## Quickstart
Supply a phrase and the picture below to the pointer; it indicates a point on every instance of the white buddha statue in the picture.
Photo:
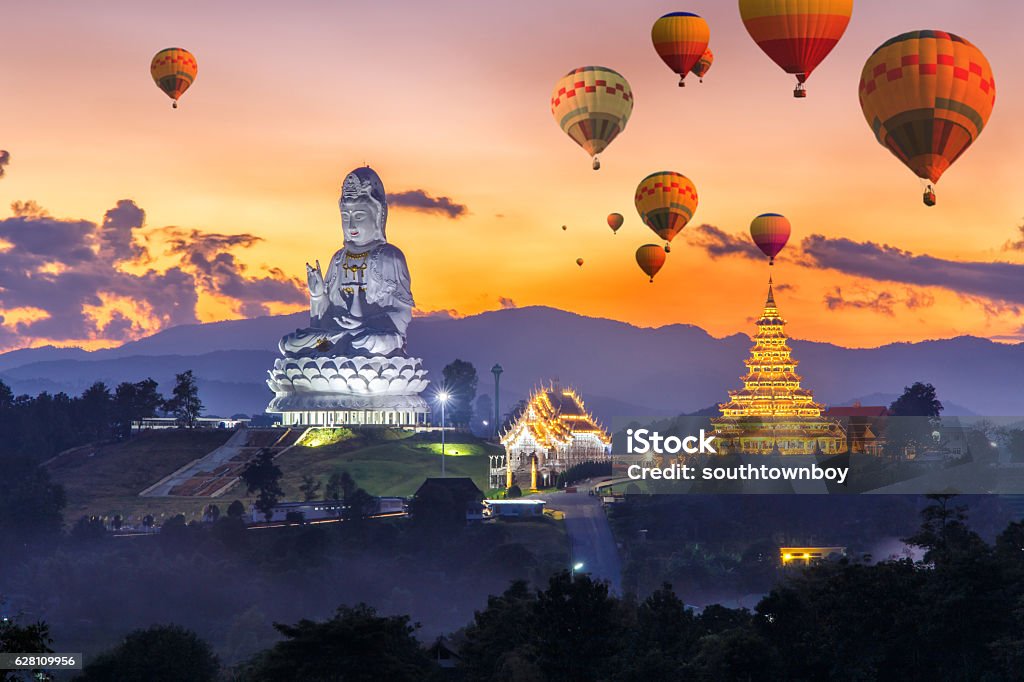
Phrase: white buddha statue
(363, 305)
(350, 365)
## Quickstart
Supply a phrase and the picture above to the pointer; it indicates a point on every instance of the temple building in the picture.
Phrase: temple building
(553, 433)
(772, 414)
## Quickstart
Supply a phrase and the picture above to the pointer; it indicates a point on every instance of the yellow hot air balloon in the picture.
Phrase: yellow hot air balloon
(650, 258)
(592, 105)
(666, 201)
(927, 96)
(680, 39)
(796, 34)
(173, 71)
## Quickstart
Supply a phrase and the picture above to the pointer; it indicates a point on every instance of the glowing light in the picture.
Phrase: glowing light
(443, 396)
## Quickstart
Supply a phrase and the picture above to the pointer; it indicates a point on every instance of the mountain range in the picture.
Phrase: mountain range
(620, 369)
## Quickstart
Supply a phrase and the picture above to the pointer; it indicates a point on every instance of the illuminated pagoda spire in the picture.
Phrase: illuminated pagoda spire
(773, 412)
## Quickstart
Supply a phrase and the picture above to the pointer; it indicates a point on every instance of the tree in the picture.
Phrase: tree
(355, 644)
(34, 638)
(236, 509)
(133, 403)
(944, 532)
(483, 411)
(579, 628)
(435, 508)
(185, 403)
(262, 476)
(95, 410)
(460, 382)
(918, 400)
(513, 492)
(512, 415)
(1015, 445)
(499, 633)
(309, 488)
(31, 504)
(161, 653)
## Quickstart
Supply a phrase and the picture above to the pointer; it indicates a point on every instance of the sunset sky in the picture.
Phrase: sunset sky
(239, 186)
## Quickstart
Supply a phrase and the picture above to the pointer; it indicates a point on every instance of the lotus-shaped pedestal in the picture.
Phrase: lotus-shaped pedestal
(342, 383)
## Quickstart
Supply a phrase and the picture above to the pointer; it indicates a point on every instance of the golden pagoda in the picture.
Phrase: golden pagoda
(553, 433)
(772, 414)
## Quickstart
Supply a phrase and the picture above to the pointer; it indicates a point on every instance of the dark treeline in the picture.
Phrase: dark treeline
(953, 616)
(39, 427)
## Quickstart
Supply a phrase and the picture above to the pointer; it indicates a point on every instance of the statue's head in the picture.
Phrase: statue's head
(364, 207)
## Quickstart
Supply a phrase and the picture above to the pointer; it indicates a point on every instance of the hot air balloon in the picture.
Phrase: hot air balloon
(796, 34)
(666, 201)
(680, 39)
(770, 232)
(173, 71)
(592, 105)
(579, 262)
(927, 95)
(564, 228)
(703, 64)
(615, 221)
(650, 258)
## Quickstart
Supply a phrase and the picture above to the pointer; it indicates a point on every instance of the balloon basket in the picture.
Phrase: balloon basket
(800, 92)
(174, 104)
(597, 164)
(929, 197)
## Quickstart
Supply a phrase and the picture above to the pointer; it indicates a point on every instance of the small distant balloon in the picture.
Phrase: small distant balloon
(592, 105)
(579, 262)
(680, 39)
(703, 64)
(650, 258)
(615, 221)
(770, 231)
(564, 228)
(174, 70)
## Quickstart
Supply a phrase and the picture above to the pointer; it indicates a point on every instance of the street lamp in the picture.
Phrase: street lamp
(442, 396)
(578, 566)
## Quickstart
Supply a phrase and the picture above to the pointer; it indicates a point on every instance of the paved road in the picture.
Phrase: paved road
(590, 536)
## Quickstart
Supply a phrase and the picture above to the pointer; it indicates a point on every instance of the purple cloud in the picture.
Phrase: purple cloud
(718, 243)
(66, 270)
(994, 281)
(419, 200)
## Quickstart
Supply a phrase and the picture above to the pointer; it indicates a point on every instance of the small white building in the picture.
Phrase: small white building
(513, 508)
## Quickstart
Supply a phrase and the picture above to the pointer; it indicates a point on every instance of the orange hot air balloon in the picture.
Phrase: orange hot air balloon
(579, 262)
(650, 258)
(680, 39)
(592, 105)
(770, 231)
(615, 221)
(796, 34)
(927, 96)
(666, 201)
(174, 70)
(703, 64)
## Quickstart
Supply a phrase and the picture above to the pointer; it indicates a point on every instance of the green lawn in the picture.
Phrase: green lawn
(397, 467)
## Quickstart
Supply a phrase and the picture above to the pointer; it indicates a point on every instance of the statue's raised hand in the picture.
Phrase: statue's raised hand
(315, 279)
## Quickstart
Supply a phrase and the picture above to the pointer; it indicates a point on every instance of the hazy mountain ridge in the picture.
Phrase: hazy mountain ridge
(620, 369)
